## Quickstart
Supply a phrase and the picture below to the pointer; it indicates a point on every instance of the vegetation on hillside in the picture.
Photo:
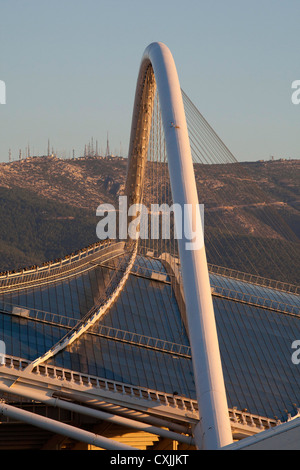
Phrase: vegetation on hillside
(35, 229)
(48, 210)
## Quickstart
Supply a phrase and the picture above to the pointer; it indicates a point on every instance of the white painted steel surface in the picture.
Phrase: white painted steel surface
(215, 430)
(286, 436)
(50, 381)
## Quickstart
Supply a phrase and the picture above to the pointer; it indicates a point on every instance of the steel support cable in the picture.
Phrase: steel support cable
(65, 275)
(296, 334)
(221, 245)
(158, 157)
(213, 151)
(208, 144)
(219, 242)
(229, 347)
(207, 126)
(134, 300)
(206, 148)
(158, 166)
(90, 319)
(258, 246)
(154, 169)
(218, 140)
(159, 299)
(259, 195)
(278, 363)
(255, 362)
(260, 354)
(239, 352)
(270, 358)
(51, 269)
(178, 146)
(199, 139)
(195, 110)
(180, 185)
(283, 230)
(195, 147)
(251, 364)
(144, 244)
(123, 262)
(153, 173)
(175, 247)
(283, 287)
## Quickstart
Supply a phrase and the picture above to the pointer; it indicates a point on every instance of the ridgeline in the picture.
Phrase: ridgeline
(48, 210)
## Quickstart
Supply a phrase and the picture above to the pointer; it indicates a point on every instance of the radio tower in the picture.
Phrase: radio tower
(107, 147)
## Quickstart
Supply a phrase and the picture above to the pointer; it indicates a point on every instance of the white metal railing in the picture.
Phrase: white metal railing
(99, 329)
(176, 402)
(253, 279)
(58, 263)
(229, 293)
(242, 276)
(91, 381)
(249, 419)
(143, 341)
(53, 269)
(37, 315)
(91, 317)
(99, 309)
(253, 299)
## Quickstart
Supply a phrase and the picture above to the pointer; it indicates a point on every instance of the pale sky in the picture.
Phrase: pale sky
(70, 68)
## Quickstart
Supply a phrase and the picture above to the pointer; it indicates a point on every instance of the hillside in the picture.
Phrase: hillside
(48, 208)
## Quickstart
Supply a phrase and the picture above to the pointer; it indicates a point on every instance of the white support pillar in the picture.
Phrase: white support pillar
(215, 429)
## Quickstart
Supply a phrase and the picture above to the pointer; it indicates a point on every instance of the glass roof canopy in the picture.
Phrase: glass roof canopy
(255, 341)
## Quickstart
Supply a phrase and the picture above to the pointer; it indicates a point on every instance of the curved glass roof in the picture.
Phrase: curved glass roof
(142, 339)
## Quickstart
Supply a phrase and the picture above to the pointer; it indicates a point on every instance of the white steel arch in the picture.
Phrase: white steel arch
(158, 69)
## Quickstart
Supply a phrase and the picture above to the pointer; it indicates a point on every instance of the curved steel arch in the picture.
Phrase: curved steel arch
(158, 69)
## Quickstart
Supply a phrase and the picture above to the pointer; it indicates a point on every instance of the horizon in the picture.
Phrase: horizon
(112, 157)
(70, 72)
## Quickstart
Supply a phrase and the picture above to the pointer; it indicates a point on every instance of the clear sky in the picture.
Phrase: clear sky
(70, 68)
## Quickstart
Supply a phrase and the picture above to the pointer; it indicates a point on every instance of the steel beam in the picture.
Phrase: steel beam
(214, 430)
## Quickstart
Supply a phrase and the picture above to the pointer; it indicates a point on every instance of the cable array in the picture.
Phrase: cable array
(242, 226)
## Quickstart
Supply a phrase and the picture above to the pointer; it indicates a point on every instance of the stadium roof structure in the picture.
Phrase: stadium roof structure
(127, 345)
(136, 361)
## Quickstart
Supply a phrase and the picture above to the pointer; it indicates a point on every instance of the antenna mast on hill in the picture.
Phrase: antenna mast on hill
(107, 147)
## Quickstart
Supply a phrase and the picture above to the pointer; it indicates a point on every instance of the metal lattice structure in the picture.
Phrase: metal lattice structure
(127, 336)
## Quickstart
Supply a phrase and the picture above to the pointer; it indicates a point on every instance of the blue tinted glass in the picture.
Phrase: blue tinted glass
(255, 342)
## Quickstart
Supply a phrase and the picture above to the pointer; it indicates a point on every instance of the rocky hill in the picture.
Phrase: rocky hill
(48, 209)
